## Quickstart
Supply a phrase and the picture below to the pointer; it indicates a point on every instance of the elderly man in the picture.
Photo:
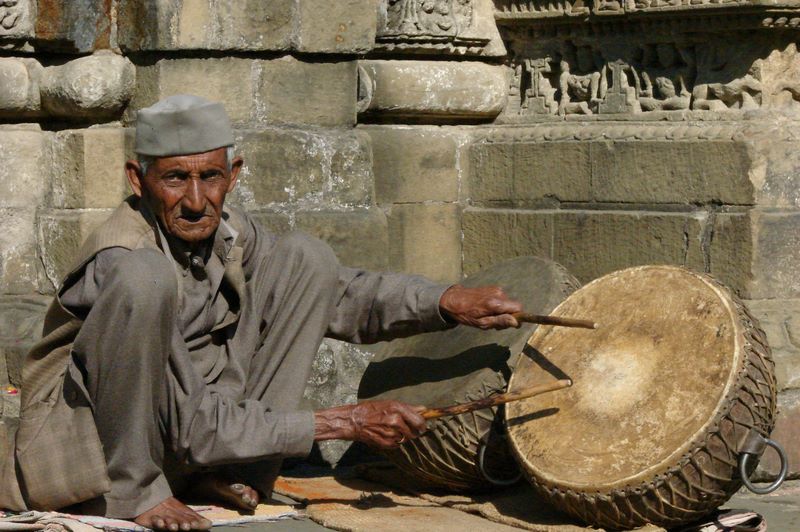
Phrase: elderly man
(195, 329)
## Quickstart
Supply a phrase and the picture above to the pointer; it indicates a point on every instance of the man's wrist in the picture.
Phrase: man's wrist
(334, 424)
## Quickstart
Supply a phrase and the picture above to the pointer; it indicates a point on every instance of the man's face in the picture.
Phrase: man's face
(186, 192)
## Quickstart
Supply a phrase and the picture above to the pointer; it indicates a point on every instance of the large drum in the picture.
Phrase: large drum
(667, 392)
(469, 451)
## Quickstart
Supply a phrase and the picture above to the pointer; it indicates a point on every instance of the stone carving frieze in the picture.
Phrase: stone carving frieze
(545, 9)
(438, 26)
(658, 67)
(16, 19)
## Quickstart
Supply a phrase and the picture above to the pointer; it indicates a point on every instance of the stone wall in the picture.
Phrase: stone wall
(426, 136)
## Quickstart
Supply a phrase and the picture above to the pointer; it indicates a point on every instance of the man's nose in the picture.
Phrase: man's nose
(195, 199)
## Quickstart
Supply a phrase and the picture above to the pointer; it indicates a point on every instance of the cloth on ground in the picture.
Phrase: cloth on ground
(58, 522)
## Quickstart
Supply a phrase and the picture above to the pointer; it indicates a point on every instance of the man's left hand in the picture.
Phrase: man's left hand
(484, 307)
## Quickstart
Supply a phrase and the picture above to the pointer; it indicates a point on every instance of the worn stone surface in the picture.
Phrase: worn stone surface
(61, 233)
(493, 235)
(228, 80)
(780, 319)
(19, 86)
(97, 86)
(77, 26)
(437, 91)
(776, 254)
(23, 170)
(344, 26)
(292, 91)
(275, 222)
(671, 172)
(88, 167)
(727, 248)
(359, 238)
(529, 173)
(304, 168)
(582, 241)
(335, 376)
(206, 24)
(425, 239)
(308, 26)
(787, 433)
(19, 262)
(21, 321)
(415, 164)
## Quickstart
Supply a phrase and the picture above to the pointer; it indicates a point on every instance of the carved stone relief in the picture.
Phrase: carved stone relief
(438, 26)
(16, 19)
(640, 69)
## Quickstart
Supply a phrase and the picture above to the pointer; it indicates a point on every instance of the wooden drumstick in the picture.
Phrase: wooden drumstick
(494, 400)
(554, 320)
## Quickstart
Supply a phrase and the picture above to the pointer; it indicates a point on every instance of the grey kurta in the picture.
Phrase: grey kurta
(169, 362)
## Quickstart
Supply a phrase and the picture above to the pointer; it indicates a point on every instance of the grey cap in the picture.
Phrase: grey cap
(181, 125)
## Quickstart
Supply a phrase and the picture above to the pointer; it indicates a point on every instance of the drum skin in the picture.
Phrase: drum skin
(665, 392)
(460, 365)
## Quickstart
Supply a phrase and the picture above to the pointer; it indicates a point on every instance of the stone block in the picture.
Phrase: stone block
(359, 238)
(415, 164)
(19, 87)
(19, 261)
(780, 320)
(728, 250)
(787, 433)
(95, 86)
(344, 26)
(21, 321)
(672, 172)
(593, 243)
(291, 91)
(434, 91)
(228, 80)
(522, 174)
(89, 167)
(206, 25)
(491, 179)
(17, 20)
(73, 27)
(494, 235)
(23, 167)
(776, 255)
(304, 168)
(275, 222)
(425, 239)
(61, 233)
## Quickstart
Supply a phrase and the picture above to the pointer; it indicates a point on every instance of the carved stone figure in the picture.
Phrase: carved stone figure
(427, 17)
(539, 97)
(579, 93)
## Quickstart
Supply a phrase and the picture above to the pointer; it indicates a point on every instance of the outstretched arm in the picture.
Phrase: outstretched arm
(381, 424)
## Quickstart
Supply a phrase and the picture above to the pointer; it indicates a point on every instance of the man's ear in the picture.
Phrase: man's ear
(236, 166)
(133, 171)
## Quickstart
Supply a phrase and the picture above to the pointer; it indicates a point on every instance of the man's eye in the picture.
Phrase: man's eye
(215, 174)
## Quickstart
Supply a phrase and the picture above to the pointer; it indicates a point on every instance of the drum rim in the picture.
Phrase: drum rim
(677, 457)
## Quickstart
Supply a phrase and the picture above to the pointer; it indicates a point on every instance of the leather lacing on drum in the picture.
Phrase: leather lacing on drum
(704, 478)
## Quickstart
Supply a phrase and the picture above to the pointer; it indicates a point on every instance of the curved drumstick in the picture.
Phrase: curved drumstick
(494, 400)
(554, 320)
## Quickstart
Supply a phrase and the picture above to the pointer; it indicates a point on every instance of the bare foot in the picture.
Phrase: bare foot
(219, 488)
(172, 515)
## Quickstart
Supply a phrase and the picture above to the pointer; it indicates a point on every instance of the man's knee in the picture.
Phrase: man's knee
(309, 256)
(143, 276)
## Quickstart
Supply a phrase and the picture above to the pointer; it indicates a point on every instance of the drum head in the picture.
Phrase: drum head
(646, 383)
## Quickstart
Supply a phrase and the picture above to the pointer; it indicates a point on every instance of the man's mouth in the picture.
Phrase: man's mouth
(192, 218)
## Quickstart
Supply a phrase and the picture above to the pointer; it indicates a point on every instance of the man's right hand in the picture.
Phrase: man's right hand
(381, 424)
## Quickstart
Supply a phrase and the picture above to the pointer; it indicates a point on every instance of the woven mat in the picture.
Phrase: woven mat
(357, 505)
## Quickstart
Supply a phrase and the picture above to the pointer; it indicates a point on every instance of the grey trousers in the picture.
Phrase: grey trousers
(151, 407)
